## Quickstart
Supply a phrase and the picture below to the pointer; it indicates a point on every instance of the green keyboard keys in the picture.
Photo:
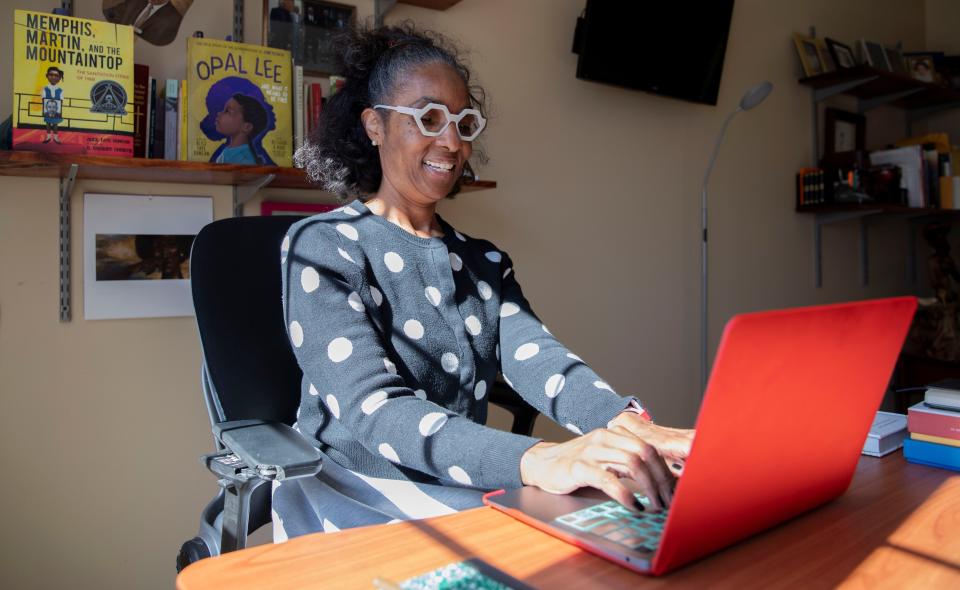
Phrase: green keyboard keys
(612, 521)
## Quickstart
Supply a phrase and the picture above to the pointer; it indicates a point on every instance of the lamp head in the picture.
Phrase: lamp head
(755, 95)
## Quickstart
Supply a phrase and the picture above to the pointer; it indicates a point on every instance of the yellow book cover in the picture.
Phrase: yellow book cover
(72, 85)
(940, 440)
(239, 105)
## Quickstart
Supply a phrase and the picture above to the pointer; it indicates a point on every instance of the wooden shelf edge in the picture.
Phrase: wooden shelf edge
(47, 165)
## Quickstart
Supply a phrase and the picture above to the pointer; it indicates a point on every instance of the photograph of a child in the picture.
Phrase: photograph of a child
(53, 103)
(238, 113)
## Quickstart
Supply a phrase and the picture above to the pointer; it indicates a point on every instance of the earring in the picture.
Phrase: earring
(373, 142)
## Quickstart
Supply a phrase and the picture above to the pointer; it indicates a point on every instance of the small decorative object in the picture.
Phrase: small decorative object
(156, 23)
(809, 54)
(874, 55)
(921, 67)
(307, 28)
(843, 132)
(842, 54)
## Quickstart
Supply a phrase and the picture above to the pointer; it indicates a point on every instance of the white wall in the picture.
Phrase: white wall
(101, 423)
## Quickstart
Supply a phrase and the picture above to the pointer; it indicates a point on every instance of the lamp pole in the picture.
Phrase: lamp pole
(750, 99)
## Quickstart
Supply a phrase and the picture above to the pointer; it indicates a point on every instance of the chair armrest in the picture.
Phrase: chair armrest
(273, 449)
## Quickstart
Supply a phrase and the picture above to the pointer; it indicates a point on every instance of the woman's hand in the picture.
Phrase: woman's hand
(599, 459)
(672, 444)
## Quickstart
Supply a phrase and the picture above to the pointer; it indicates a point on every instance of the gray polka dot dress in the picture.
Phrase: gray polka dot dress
(400, 338)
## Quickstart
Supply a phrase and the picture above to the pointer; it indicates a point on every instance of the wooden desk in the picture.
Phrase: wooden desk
(898, 526)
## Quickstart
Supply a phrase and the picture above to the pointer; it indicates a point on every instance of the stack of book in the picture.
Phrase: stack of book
(934, 426)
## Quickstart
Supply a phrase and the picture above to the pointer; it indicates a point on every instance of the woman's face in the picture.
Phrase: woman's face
(230, 120)
(422, 169)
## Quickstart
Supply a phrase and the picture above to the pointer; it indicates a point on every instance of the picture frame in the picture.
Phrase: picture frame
(844, 132)
(268, 208)
(307, 28)
(920, 67)
(842, 54)
(826, 58)
(896, 61)
(874, 55)
(809, 53)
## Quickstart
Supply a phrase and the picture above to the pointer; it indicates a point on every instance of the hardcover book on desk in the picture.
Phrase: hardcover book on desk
(922, 419)
(944, 395)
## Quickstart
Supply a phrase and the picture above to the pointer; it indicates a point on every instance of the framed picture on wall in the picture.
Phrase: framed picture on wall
(844, 132)
(842, 54)
(307, 29)
(809, 54)
(874, 55)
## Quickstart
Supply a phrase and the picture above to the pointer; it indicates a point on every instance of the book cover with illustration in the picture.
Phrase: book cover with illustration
(72, 85)
(239, 103)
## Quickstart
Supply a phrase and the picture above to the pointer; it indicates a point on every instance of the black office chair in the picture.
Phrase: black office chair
(251, 380)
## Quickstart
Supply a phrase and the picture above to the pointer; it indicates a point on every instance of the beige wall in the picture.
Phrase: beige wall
(101, 422)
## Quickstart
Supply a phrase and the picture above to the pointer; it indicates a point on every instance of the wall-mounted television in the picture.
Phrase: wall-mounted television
(669, 47)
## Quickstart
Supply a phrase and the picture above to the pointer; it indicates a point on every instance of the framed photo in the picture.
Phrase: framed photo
(307, 28)
(136, 254)
(825, 58)
(305, 209)
(895, 59)
(809, 54)
(843, 132)
(921, 68)
(874, 55)
(842, 54)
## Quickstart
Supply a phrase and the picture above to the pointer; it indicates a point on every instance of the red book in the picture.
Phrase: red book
(922, 419)
(315, 110)
(141, 103)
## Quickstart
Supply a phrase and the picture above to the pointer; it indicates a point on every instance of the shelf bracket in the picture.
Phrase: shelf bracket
(66, 190)
(823, 219)
(242, 193)
(872, 103)
(238, 21)
(380, 10)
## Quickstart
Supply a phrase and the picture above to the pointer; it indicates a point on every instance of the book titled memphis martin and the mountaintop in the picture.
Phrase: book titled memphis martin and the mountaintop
(72, 85)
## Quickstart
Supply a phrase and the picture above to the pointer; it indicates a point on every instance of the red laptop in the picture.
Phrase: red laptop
(790, 401)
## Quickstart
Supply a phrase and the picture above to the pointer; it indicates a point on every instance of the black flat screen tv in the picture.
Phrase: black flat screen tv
(669, 47)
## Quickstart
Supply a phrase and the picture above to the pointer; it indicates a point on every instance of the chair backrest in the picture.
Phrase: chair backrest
(251, 372)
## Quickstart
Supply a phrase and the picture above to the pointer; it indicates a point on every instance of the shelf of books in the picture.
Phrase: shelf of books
(41, 164)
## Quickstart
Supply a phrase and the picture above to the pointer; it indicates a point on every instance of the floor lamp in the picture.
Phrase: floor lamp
(751, 98)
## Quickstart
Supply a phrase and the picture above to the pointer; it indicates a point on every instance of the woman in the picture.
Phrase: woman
(401, 323)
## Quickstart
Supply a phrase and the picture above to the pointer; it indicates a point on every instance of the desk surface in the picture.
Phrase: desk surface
(897, 526)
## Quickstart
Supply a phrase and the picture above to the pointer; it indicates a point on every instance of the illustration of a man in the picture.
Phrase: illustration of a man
(155, 21)
(53, 103)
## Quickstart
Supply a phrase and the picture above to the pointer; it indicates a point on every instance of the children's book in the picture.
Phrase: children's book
(239, 103)
(72, 85)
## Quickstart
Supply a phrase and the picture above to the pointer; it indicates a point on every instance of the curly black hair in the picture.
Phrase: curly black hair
(338, 154)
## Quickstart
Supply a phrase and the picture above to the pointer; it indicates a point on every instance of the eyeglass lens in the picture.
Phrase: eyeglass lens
(435, 120)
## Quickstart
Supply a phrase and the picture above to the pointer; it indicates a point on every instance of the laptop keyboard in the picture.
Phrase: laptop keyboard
(615, 523)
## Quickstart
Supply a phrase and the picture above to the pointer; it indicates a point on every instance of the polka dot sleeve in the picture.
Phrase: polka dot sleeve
(335, 321)
(544, 372)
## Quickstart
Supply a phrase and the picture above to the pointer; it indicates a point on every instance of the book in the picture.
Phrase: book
(171, 100)
(886, 434)
(72, 85)
(931, 454)
(157, 135)
(944, 395)
(922, 419)
(239, 103)
(182, 122)
(940, 440)
(297, 107)
(141, 108)
(151, 117)
(316, 105)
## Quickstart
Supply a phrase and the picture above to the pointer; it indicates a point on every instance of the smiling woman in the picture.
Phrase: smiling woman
(398, 321)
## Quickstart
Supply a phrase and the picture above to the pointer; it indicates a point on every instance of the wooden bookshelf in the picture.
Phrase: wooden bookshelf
(46, 165)
(875, 87)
